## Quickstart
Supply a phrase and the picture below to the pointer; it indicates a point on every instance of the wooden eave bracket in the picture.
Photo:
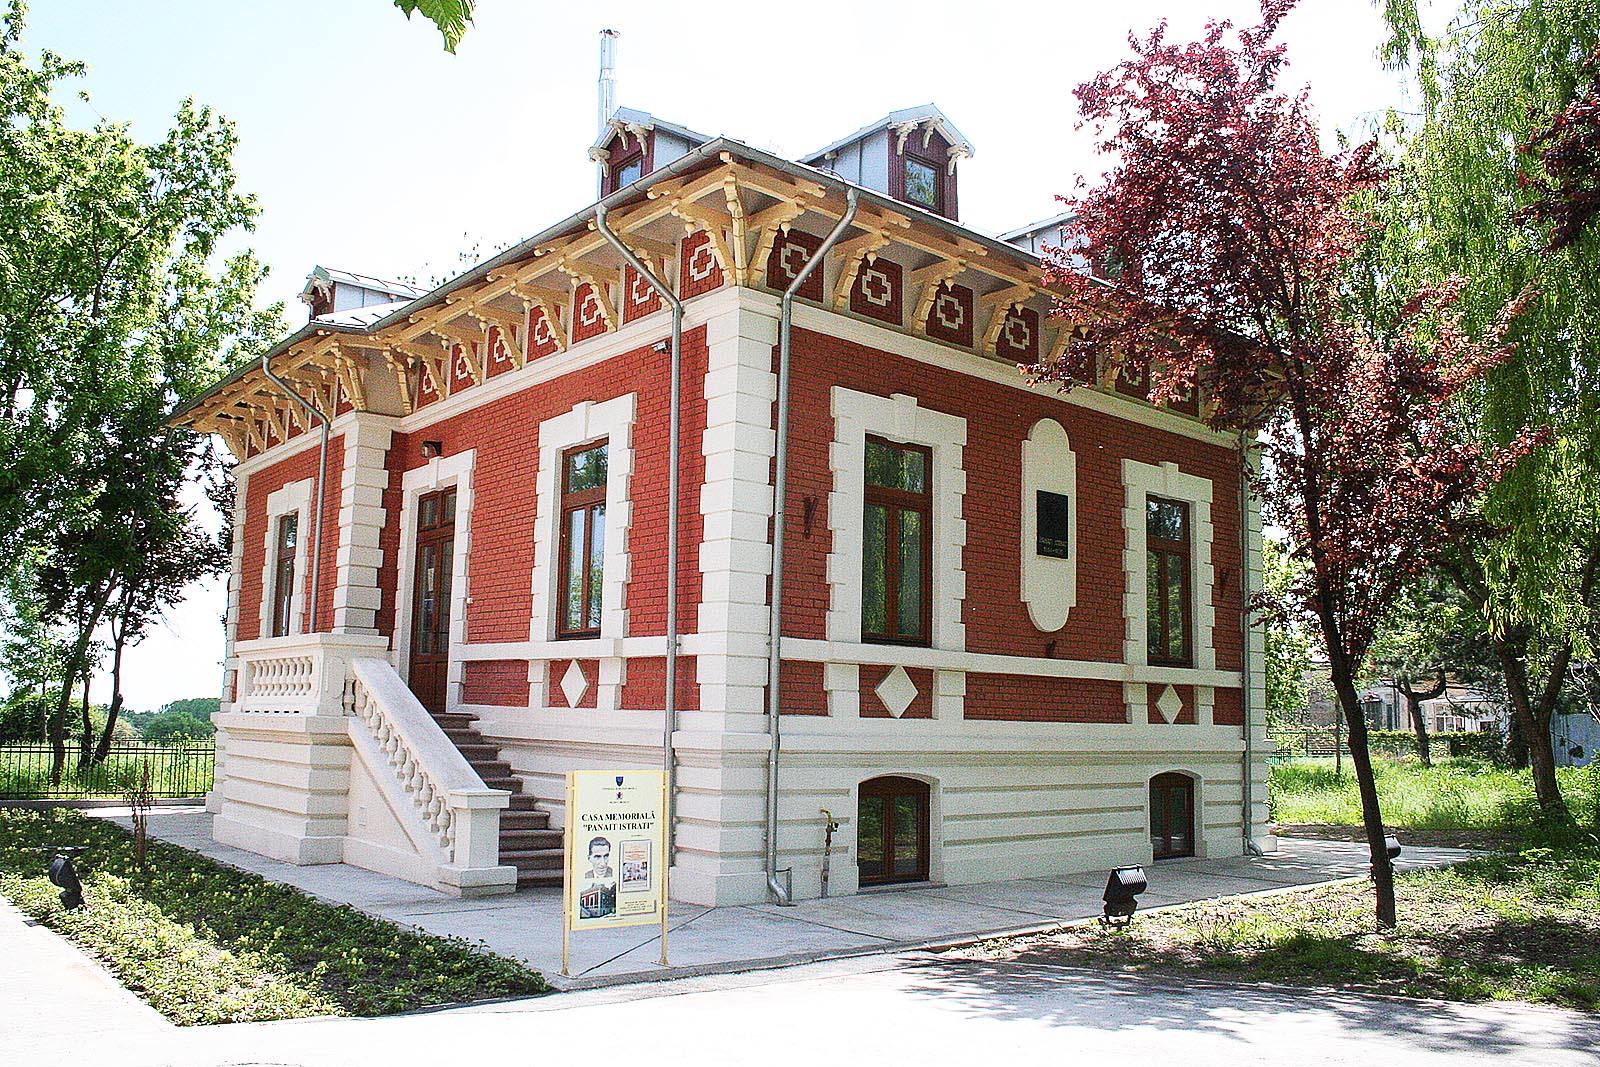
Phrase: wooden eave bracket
(768, 223)
(602, 296)
(695, 217)
(931, 278)
(851, 254)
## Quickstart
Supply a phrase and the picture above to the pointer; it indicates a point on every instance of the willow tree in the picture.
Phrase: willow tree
(1472, 170)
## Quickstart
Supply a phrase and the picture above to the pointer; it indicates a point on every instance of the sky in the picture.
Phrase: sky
(372, 149)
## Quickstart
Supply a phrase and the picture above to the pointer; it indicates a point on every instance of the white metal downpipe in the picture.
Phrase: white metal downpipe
(781, 472)
(1250, 846)
(668, 763)
(322, 481)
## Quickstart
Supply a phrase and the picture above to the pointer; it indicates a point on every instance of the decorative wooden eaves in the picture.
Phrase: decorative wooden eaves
(581, 275)
(927, 281)
(851, 253)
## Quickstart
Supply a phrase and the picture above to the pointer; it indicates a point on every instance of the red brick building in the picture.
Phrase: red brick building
(1012, 637)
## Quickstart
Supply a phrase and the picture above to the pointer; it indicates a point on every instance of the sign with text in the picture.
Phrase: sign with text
(616, 841)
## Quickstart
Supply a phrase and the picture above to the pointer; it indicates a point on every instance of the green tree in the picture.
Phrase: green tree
(110, 309)
(173, 725)
(451, 16)
(1465, 186)
(1288, 649)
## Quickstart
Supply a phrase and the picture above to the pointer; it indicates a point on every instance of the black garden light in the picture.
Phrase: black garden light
(1391, 844)
(65, 878)
(1122, 890)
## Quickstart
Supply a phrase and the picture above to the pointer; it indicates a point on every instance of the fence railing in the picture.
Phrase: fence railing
(177, 769)
(1393, 744)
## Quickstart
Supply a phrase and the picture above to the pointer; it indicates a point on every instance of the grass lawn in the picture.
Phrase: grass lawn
(1521, 924)
(1455, 794)
(1512, 927)
(206, 943)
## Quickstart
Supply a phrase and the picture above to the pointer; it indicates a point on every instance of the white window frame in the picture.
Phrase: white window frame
(293, 498)
(587, 423)
(440, 472)
(1140, 482)
(898, 418)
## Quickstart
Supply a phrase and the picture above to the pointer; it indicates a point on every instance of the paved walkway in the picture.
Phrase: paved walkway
(889, 1009)
(527, 925)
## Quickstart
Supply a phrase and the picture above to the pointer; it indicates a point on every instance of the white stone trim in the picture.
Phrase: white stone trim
(438, 473)
(293, 498)
(356, 596)
(1049, 585)
(1141, 481)
(588, 422)
(898, 417)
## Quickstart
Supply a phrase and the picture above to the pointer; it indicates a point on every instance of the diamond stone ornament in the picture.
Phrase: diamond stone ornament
(897, 691)
(1169, 704)
(574, 684)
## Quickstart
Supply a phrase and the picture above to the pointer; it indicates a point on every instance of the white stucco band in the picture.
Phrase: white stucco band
(291, 499)
(900, 418)
(1140, 482)
(586, 423)
(441, 472)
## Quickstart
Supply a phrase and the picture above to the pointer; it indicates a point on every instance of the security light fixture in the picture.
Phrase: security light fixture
(1122, 888)
(432, 449)
(65, 878)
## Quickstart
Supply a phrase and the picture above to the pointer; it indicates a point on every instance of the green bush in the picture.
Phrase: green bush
(206, 943)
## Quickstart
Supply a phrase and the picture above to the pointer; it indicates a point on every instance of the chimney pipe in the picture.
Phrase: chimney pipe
(608, 86)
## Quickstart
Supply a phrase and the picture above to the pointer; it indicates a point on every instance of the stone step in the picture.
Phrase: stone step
(520, 839)
(524, 820)
(490, 768)
(453, 720)
(533, 859)
(526, 802)
(477, 751)
(530, 879)
(503, 781)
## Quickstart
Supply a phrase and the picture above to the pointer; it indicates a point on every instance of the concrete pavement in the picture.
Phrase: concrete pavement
(889, 1009)
(527, 925)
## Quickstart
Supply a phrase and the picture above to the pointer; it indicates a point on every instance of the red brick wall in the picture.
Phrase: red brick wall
(779, 277)
(942, 325)
(259, 486)
(639, 297)
(1227, 709)
(998, 419)
(541, 335)
(587, 320)
(498, 682)
(505, 434)
(1028, 699)
(698, 270)
(879, 292)
(1185, 693)
(800, 689)
(646, 686)
(558, 671)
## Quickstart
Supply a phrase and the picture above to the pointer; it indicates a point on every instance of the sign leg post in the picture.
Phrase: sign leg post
(666, 864)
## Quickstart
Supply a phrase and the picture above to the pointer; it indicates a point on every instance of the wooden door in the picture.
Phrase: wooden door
(430, 598)
(892, 831)
(1171, 816)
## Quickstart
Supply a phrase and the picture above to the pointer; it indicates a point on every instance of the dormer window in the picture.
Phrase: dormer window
(923, 183)
(626, 171)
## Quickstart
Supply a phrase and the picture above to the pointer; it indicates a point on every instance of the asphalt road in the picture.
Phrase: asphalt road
(879, 1010)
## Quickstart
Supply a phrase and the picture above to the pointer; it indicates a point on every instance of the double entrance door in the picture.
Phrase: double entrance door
(430, 599)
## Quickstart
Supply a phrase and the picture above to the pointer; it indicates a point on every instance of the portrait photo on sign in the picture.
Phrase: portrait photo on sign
(597, 894)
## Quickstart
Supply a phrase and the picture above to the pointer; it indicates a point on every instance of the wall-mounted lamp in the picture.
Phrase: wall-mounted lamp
(432, 449)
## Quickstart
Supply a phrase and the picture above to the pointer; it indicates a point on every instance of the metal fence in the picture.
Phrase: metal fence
(177, 769)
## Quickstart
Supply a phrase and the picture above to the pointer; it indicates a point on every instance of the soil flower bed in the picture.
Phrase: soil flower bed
(1523, 926)
(206, 943)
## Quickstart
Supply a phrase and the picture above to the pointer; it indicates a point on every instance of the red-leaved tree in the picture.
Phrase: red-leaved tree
(1231, 234)
(1567, 148)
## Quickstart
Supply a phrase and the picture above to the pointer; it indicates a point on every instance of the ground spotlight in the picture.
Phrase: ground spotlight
(1391, 844)
(1122, 889)
(65, 877)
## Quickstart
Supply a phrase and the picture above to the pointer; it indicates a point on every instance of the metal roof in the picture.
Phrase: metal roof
(706, 155)
(363, 281)
(1035, 227)
(360, 318)
(627, 116)
(900, 118)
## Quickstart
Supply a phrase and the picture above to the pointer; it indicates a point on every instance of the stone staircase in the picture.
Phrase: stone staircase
(526, 840)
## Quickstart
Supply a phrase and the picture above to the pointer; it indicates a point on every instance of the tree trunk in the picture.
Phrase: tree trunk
(1414, 701)
(85, 726)
(119, 640)
(1367, 786)
(72, 668)
(1532, 721)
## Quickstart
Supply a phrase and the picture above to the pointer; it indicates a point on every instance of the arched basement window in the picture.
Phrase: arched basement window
(1171, 815)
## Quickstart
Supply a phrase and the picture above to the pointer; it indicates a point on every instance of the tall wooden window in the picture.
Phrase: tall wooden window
(583, 540)
(892, 831)
(432, 592)
(283, 574)
(1167, 582)
(896, 578)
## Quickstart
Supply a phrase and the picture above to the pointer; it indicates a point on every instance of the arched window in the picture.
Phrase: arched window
(892, 831)
(1171, 815)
